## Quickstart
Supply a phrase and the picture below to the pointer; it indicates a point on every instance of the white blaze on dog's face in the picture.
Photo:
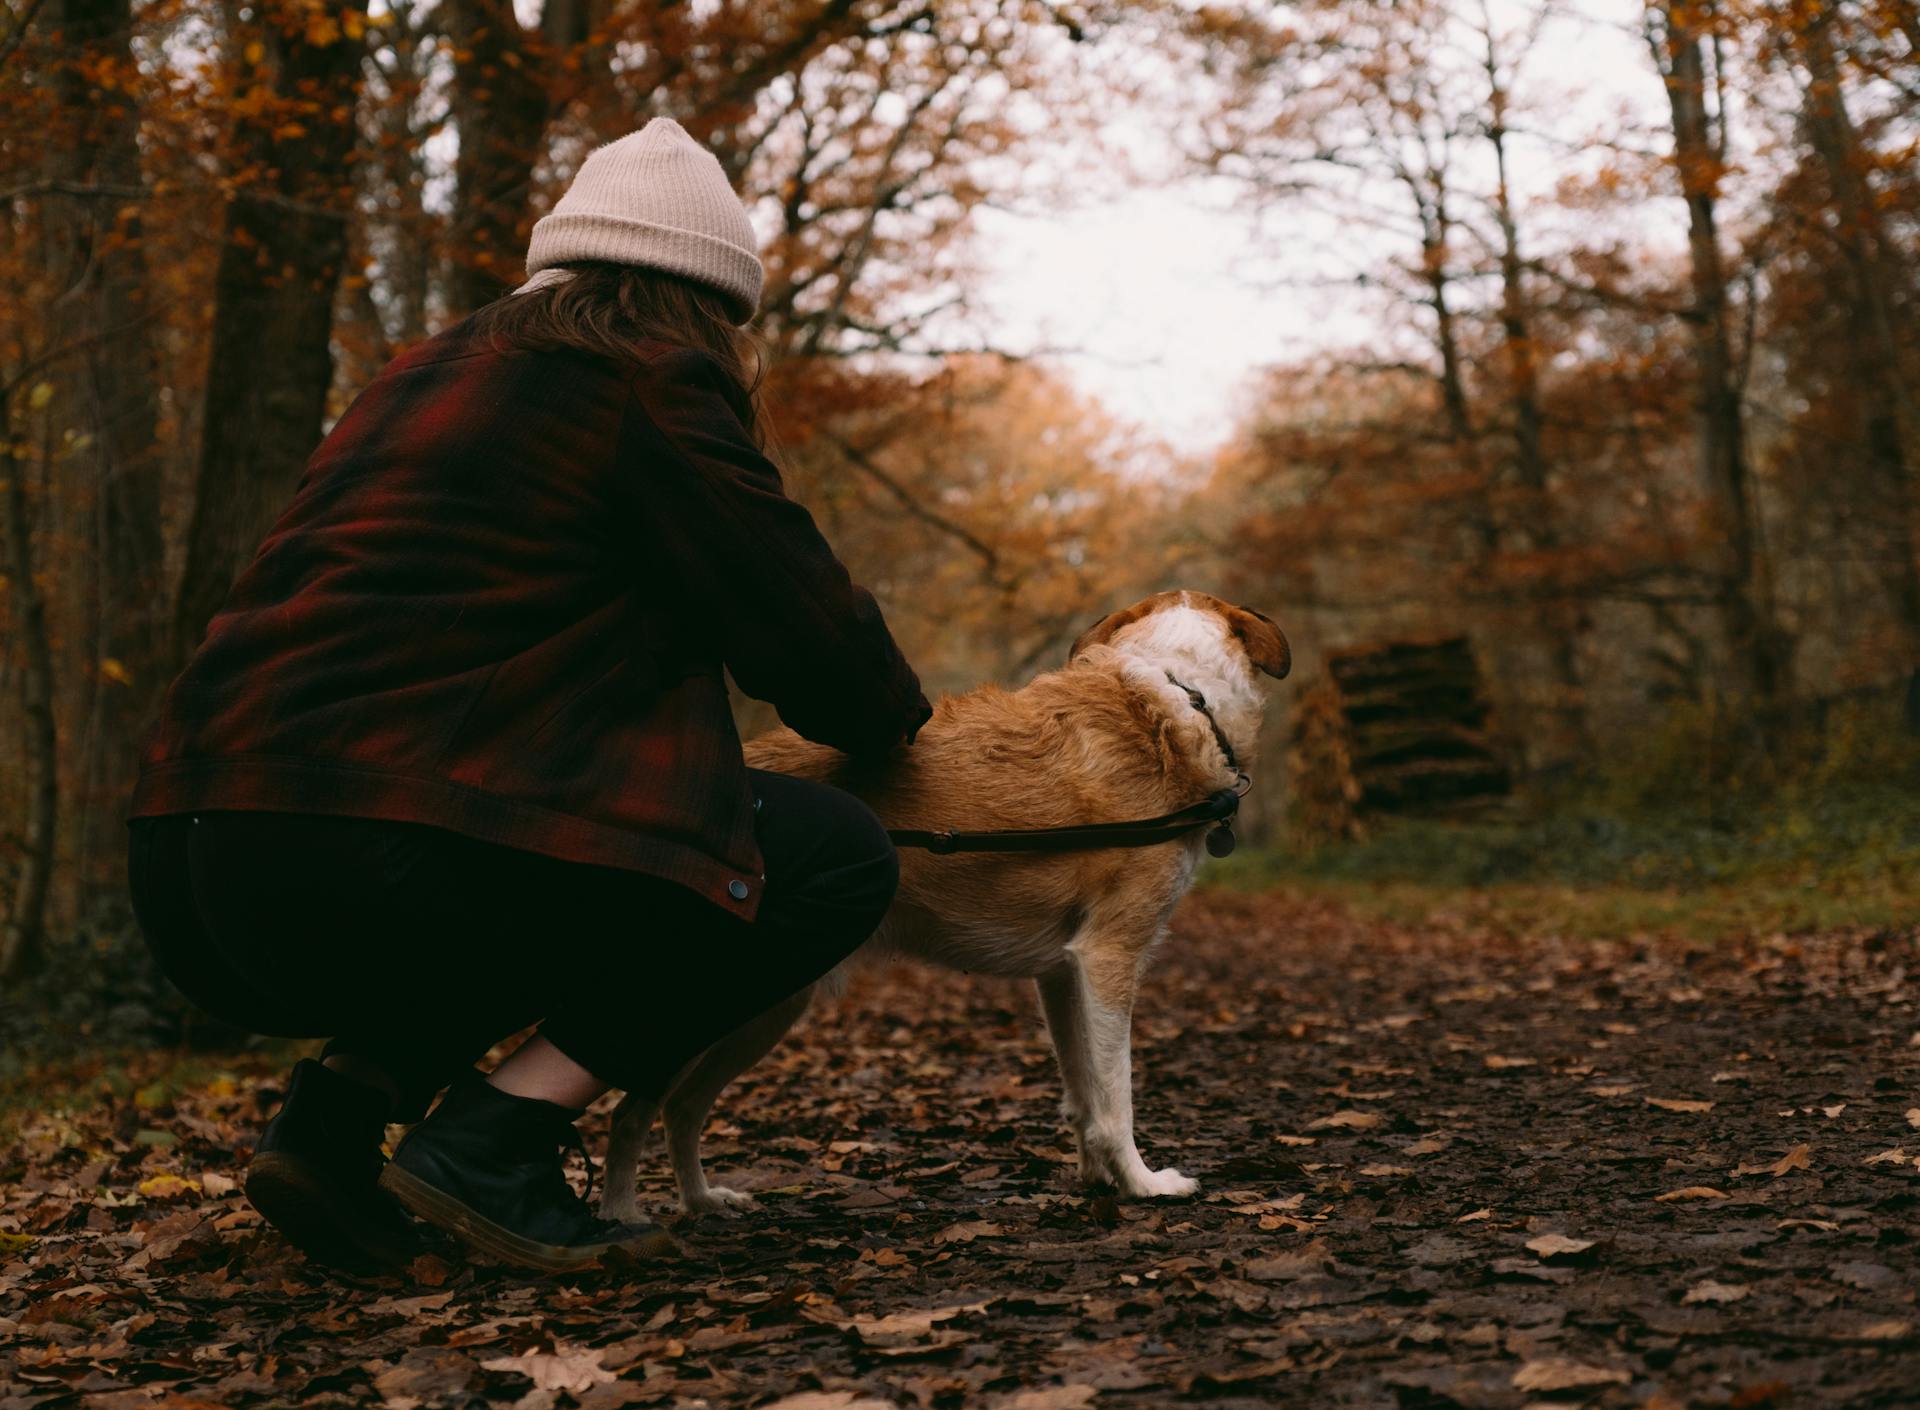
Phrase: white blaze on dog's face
(1193, 626)
(1210, 645)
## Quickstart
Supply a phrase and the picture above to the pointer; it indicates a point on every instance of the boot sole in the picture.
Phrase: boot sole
(444, 1211)
(305, 1207)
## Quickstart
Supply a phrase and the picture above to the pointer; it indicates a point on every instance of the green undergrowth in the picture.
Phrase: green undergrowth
(1685, 834)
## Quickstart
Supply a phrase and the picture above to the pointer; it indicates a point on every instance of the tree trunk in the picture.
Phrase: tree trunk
(112, 390)
(502, 99)
(23, 931)
(500, 104)
(1859, 232)
(1536, 527)
(280, 264)
(1760, 662)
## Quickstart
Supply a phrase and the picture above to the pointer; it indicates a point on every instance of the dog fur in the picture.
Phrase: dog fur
(1106, 738)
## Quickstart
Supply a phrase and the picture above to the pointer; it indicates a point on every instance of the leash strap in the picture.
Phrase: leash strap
(1084, 837)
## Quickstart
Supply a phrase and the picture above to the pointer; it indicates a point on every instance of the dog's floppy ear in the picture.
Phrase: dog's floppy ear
(1102, 631)
(1266, 644)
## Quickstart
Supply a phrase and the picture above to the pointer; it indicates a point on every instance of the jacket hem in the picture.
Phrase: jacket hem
(280, 784)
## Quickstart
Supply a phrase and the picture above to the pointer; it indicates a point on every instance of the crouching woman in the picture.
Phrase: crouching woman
(456, 758)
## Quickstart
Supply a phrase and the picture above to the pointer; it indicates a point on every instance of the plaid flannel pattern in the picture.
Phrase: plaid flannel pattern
(500, 603)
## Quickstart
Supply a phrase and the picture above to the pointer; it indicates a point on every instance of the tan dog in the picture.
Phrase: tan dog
(1109, 737)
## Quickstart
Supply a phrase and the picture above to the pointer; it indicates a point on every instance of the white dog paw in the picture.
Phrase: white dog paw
(718, 1199)
(622, 1212)
(1160, 1184)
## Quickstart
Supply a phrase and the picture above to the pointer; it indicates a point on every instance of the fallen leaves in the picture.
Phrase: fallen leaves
(1679, 1104)
(1308, 1259)
(1706, 1290)
(921, 1244)
(1550, 1246)
(570, 1368)
(911, 1332)
(1348, 1120)
(165, 1187)
(1554, 1374)
(1795, 1159)
(1068, 1397)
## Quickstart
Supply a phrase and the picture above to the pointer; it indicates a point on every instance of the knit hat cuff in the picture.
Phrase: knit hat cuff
(565, 237)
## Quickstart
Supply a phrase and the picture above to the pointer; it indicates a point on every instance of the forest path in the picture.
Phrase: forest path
(1440, 1167)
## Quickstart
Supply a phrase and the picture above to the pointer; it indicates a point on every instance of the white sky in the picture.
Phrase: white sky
(1155, 299)
(1165, 299)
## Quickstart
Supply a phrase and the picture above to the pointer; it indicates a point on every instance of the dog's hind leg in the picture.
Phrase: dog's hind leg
(619, 1190)
(1089, 1008)
(692, 1098)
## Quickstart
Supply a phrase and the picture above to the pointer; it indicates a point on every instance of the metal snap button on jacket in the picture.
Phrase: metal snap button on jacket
(737, 889)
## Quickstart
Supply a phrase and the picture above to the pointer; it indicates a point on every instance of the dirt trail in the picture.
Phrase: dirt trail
(1440, 1168)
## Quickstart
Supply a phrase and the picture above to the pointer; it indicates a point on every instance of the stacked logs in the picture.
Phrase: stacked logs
(1397, 728)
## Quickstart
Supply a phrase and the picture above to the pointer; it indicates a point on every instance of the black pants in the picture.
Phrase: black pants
(418, 949)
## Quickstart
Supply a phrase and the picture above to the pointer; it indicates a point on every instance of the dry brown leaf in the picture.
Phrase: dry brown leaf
(967, 1231)
(1308, 1259)
(1896, 1156)
(1347, 1120)
(1497, 1063)
(1070, 1397)
(912, 1325)
(168, 1187)
(1884, 1331)
(1693, 1192)
(1473, 1215)
(1678, 1104)
(1709, 1291)
(1558, 1246)
(1913, 1117)
(1795, 1159)
(829, 1400)
(1555, 1374)
(568, 1368)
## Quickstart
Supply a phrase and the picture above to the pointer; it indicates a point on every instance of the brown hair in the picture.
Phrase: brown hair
(613, 309)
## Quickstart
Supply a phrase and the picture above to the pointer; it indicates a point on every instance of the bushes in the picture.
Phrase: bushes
(1697, 800)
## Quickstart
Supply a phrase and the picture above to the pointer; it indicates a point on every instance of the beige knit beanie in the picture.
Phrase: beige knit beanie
(655, 198)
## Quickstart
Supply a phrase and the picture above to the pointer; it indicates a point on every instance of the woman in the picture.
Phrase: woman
(456, 755)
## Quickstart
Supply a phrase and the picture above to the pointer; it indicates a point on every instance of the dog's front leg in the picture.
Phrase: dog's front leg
(1089, 1010)
(620, 1189)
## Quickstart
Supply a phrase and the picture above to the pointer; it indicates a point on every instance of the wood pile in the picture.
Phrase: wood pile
(1396, 728)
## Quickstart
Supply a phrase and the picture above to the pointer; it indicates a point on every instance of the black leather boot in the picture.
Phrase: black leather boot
(489, 1167)
(316, 1169)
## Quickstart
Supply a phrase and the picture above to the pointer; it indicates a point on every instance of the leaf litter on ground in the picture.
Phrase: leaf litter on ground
(1383, 1117)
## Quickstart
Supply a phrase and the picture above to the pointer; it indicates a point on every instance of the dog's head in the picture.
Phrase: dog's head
(1255, 633)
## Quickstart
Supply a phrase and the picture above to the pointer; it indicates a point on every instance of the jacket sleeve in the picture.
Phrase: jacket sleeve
(790, 624)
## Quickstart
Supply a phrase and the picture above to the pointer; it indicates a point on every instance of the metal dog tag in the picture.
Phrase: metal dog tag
(1220, 841)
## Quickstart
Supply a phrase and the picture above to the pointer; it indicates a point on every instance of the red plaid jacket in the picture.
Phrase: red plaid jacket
(500, 603)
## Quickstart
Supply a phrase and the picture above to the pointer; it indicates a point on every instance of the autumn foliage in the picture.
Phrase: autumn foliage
(1615, 380)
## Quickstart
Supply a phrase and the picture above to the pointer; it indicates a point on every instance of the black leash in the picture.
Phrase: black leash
(1217, 808)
